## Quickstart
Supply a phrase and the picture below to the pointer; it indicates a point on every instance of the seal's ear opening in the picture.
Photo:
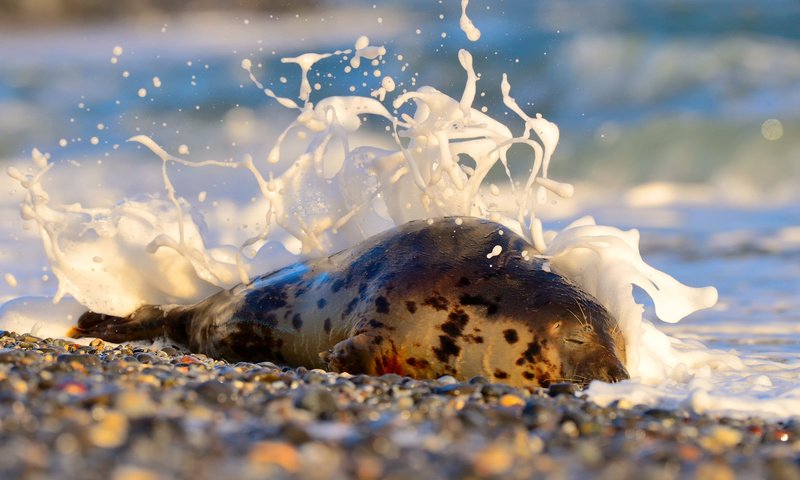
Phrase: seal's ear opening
(555, 328)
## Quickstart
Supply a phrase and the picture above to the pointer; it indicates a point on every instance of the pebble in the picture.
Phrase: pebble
(714, 470)
(111, 431)
(169, 351)
(281, 454)
(145, 357)
(131, 472)
(131, 412)
(215, 391)
(493, 460)
(318, 401)
(135, 404)
(557, 389)
(720, 438)
(511, 400)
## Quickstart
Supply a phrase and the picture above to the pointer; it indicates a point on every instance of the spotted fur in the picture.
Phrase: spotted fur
(420, 300)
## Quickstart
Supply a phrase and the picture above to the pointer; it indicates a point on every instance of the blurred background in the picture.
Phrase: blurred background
(690, 91)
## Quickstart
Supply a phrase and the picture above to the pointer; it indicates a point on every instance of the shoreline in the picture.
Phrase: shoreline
(131, 412)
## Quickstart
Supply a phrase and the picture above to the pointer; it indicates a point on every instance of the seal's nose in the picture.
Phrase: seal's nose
(614, 372)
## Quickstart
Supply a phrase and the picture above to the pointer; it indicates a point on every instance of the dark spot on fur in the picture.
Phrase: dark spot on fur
(382, 305)
(327, 325)
(511, 336)
(377, 340)
(474, 338)
(248, 341)
(418, 363)
(451, 329)
(270, 320)
(372, 266)
(376, 324)
(459, 317)
(447, 348)
(520, 361)
(528, 375)
(321, 303)
(438, 302)
(500, 374)
(463, 282)
(411, 306)
(367, 266)
(350, 306)
(337, 285)
(456, 321)
(301, 289)
(533, 351)
(491, 307)
(266, 298)
(297, 322)
(388, 364)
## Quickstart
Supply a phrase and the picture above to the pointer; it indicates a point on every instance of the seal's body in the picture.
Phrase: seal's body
(448, 297)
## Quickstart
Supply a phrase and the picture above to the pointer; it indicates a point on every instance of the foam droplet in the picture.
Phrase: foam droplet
(495, 251)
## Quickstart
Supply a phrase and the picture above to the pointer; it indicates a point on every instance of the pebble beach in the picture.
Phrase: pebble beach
(140, 412)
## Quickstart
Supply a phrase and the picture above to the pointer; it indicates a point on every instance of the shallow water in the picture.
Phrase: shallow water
(640, 95)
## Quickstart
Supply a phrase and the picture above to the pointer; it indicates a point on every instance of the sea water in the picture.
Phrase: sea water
(356, 141)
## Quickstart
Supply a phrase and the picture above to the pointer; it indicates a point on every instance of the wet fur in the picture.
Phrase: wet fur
(420, 300)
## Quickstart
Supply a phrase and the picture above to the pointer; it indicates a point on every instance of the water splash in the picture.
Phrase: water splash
(337, 190)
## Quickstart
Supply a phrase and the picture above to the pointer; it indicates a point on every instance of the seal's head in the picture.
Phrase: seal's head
(590, 344)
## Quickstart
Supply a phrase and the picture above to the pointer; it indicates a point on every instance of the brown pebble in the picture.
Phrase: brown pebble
(135, 404)
(190, 359)
(511, 400)
(72, 387)
(130, 472)
(281, 454)
(714, 471)
(493, 460)
(110, 432)
(689, 453)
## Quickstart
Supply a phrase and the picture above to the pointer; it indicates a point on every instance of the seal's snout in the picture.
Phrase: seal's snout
(614, 372)
(596, 365)
(600, 364)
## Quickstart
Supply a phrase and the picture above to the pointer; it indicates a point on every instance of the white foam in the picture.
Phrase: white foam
(470, 30)
(40, 316)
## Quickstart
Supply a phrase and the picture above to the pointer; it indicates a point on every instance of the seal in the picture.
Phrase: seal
(451, 296)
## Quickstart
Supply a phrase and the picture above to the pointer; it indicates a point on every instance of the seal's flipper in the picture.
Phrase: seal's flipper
(351, 356)
(148, 322)
(370, 353)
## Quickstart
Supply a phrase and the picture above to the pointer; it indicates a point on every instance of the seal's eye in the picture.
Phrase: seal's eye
(574, 341)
